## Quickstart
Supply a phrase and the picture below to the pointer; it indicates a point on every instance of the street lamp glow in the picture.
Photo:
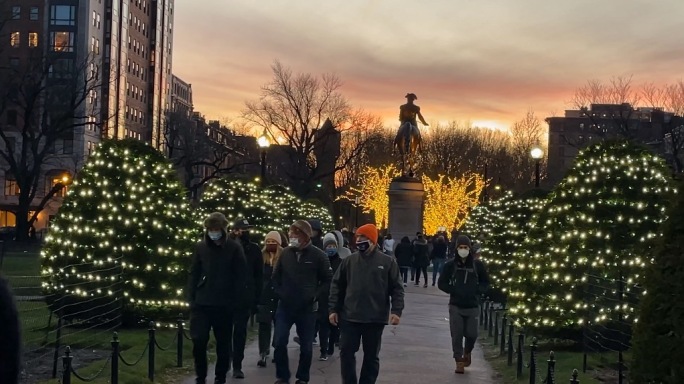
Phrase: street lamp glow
(537, 153)
(263, 141)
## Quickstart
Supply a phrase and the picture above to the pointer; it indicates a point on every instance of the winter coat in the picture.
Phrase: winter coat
(324, 295)
(255, 275)
(439, 250)
(465, 282)
(421, 253)
(299, 277)
(404, 253)
(217, 274)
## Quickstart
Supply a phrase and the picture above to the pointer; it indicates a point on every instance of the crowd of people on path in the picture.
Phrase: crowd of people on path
(338, 289)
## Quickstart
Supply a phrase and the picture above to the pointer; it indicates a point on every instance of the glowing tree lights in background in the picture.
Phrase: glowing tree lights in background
(372, 192)
(599, 224)
(449, 199)
(122, 238)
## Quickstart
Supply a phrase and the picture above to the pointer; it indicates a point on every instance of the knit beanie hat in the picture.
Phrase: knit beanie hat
(370, 231)
(275, 236)
(304, 227)
(463, 240)
(216, 220)
(328, 239)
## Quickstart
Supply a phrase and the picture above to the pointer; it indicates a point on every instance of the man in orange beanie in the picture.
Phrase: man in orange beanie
(359, 302)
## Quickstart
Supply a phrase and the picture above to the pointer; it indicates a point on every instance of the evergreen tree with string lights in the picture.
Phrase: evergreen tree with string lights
(598, 226)
(659, 334)
(120, 245)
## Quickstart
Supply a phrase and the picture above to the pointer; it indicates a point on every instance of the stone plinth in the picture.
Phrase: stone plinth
(406, 195)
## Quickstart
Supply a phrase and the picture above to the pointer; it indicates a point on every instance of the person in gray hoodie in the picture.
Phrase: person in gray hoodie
(465, 280)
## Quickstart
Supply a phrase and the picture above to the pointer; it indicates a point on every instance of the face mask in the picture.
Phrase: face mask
(331, 251)
(463, 253)
(271, 247)
(215, 235)
(363, 246)
(294, 241)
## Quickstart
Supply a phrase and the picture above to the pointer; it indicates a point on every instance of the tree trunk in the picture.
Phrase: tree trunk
(22, 219)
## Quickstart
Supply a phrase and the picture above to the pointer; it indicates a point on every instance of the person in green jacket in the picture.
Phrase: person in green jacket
(465, 279)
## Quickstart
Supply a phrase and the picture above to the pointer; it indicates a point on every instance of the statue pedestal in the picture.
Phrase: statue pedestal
(406, 195)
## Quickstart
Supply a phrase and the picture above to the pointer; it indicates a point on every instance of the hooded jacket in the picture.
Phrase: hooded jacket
(465, 281)
(343, 251)
(421, 253)
(404, 252)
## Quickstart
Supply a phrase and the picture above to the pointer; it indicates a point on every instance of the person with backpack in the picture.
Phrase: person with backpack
(465, 280)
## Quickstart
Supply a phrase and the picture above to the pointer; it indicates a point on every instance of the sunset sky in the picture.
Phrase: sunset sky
(485, 61)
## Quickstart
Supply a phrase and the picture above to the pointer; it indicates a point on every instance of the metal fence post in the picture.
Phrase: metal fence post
(511, 329)
(503, 334)
(482, 312)
(519, 355)
(533, 361)
(58, 338)
(551, 369)
(491, 320)
(66, 365)
(486, 313)
(150, 351)
(574, 379)
(179, 345)
(115, 359)
(496, 328)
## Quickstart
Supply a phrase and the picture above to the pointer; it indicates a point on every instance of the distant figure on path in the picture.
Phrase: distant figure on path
(404, 255)
(421, 258)
(360, 296)
(438, 256)
(465, 280)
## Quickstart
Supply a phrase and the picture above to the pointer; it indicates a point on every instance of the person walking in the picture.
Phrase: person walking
(404, 255)
(301, 273)
(268, 302)
(465, 280)
(388, 245)
(366, 293)
(252, 292)
(328, 334)
(421, 258)
(317, 236)
(217, 281)
(438, 256)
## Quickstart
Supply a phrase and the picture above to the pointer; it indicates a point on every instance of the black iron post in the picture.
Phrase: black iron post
(491, 319)
(179, 345)
(537, 173)
(150, 351)
(263, 167)
(533, 361)
(496, 328)
(486, 314)
(66, 365)
(574, 379)
(115, 359)
(511, 329)
(519, 355)
(503, 334)
(551, 369)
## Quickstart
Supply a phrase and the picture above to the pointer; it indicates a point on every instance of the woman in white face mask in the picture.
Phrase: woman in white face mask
(465, 280)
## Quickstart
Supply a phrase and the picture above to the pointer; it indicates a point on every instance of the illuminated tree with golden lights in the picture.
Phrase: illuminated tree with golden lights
(372, 192)
(448, 200)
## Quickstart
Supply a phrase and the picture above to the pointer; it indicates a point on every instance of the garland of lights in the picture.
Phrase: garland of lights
(123, 232)
(600, 221)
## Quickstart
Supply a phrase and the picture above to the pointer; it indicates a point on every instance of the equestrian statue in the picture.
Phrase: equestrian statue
(408, 139)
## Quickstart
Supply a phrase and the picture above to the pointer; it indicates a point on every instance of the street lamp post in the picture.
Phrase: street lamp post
(537, 153)
(264, 143)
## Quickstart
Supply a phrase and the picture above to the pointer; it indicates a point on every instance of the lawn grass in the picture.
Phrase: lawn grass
(601, 367)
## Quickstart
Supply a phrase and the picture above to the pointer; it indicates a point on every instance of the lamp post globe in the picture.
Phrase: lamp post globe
(263, 143)
(537, 154)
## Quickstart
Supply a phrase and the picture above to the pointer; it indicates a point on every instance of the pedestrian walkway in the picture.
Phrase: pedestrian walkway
(416, 351)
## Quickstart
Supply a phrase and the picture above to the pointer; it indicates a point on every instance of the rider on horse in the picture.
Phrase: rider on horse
(408, 138)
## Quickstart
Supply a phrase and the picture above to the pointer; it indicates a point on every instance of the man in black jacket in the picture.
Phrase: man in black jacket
(301, 274)
(217, 280)
(253, 286)
(360, 302)
(465, 280)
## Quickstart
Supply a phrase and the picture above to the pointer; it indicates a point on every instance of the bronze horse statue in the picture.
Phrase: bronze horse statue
(407, 141)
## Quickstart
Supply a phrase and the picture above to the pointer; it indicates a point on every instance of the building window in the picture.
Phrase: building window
(33, 16)
(12, 117)
(11, 187)
(33, 39)
(95, 45)
(62, 68)
(16, 12)
(62, 41)
(68, 147)
(7, 219)
(62, 180)
(15, 39)
(63, 15)
(91, 147)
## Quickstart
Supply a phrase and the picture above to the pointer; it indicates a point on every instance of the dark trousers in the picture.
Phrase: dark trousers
(265, 335)
(352, 335)
(404, 273)
(306, 324)
(240, 321)
(413, 273)
(202, 320)
(328, 335)
(420, 269)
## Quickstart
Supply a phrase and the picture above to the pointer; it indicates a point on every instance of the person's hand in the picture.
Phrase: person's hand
(394, 319)
(333, 319)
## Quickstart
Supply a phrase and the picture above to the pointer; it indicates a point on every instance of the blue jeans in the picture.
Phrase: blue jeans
(306, 327)
(437, 265)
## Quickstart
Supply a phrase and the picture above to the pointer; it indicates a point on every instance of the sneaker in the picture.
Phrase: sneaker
(237, 374)
(467, 359)
(323, 357)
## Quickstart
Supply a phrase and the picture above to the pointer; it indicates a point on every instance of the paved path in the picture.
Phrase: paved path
(417, 351)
